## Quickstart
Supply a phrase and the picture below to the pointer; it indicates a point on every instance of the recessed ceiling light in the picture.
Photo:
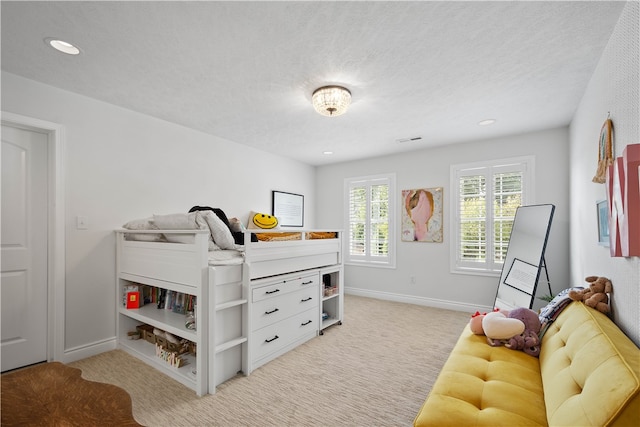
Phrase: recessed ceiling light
(486, 122)
(327, 153)
(62, 46)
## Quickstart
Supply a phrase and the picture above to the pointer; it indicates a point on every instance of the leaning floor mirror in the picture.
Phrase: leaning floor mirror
(525, 257)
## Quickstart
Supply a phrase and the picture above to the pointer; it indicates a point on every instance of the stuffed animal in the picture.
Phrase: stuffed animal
(595, 295)
(475, 324)
(499, 328)
(528, 341)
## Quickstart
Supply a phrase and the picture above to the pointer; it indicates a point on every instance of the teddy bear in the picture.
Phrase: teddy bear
(528, 341)
(595, 295)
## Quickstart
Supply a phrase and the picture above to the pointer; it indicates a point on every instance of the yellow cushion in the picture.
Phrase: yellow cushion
(481, 385)
(590, 371)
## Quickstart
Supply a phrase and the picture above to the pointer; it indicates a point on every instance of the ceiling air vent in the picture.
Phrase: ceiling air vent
(415, 138)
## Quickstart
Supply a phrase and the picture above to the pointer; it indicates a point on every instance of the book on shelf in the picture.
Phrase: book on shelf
(178, 305)
(131, 288)
(177, 302)
(133, 300)
(146, 294)
(162, 298)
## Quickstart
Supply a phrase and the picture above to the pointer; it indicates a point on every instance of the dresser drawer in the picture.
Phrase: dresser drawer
(290, 284)
(272, 310)
(274, 337)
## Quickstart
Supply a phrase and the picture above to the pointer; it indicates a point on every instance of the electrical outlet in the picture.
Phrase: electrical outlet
(82, 223)
(412, 280)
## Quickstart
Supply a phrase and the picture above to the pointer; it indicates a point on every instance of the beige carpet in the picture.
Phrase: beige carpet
(373, 370)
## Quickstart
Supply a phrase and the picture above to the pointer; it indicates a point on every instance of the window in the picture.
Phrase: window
(370, 213)
(484, 200)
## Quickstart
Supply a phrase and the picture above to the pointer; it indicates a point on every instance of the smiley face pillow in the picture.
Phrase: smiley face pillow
(262, 221)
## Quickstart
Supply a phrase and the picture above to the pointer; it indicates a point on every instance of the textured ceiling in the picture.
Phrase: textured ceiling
(245, 71)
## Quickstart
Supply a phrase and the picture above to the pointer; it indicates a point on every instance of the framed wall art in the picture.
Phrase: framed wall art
(288, 208)
(422, 215)
(603, 222)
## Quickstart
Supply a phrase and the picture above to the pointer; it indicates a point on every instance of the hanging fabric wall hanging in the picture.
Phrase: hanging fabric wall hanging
(605, 151)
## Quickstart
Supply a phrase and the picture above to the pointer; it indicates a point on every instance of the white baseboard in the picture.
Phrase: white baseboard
(79, 353)
(411, 299)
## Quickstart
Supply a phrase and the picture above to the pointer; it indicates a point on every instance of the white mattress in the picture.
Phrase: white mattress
(226, 257)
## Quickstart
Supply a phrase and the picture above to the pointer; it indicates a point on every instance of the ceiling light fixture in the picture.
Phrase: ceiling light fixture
(486, 122)
(331, 101)
(62, 46)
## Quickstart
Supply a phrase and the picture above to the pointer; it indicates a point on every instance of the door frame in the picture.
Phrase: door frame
(56, 277)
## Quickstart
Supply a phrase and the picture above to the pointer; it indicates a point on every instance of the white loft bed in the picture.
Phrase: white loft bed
(191, 268)
(270, 258)
(185, 263)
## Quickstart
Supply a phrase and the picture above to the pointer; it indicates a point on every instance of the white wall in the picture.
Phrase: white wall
(122, 165)
(429, 262)
(613, 89)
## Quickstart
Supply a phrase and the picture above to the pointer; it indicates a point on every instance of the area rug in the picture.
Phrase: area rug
(53, 394)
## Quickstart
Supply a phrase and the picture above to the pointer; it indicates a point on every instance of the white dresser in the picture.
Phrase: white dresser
(283, 314)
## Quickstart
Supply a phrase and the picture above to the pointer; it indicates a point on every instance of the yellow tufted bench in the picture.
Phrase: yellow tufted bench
(588, 374)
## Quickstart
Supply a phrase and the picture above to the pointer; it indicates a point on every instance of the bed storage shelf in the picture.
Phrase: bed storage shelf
(224, 332)
(332, 296)
(143, 350)
(173, 267)
(162, 319)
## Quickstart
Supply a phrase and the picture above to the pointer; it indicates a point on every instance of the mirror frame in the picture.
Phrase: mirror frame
(521, 269)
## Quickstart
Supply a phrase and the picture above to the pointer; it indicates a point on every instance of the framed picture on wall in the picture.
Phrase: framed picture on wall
(421, 215)
(288, 208)
(603, 222)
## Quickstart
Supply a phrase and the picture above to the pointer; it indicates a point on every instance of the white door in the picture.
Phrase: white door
(24, 248)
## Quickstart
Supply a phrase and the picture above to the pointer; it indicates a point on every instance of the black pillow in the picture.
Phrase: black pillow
(238, 237)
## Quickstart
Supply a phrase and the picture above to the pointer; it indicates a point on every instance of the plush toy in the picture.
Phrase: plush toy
(595, 295)
(528, 341)
(475, 324)
(500, 328)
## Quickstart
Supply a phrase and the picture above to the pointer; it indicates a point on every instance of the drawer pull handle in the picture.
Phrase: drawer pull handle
(272, 292)
(272, 311)
(305, 300)
(307, 283)
(305, 323)
(272, 339)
